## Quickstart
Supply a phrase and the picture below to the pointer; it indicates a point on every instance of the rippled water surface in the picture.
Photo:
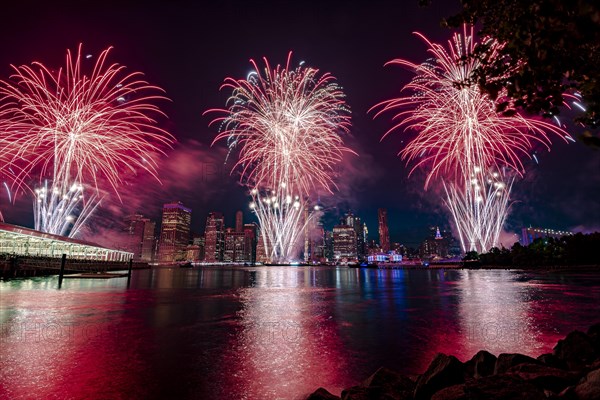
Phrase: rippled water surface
(270, 332)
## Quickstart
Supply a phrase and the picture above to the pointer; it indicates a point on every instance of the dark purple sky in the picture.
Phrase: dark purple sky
(188, 48)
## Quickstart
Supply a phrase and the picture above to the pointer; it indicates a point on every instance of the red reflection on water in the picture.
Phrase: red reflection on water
(48, 352)
(501, 314)
(289, 343)
(270, 332)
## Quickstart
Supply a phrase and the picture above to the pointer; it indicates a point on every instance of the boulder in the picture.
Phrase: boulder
(369, 393)
(443, 371)
(576, 350)
(567, 394)
(588, 387)
(552, 361)
(482, 364)
(594, 335)
(508, 360)
(544, 377)
(502, 387)
(390, 382)
(322, 394)
(456, 392)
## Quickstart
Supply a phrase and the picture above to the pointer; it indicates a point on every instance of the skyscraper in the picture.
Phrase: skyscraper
(140, 237)
(384, 233)
(250, 231)
(148, 241)
(235, 246)
(174, 232)
(239, 221)
(214, 237)
(344, 243)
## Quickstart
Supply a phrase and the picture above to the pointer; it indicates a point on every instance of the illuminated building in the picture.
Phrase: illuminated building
(235, 246)
(214, 237)
(344, 243)
(384, 233)
(328, 250)
(528, 235)
(261, 254)
(250, 238)
(361, 238)
(435, 246)
(174, 232)
(239, 221)
(389, 257)
(140, 237)
(20, 241)
(200, 242)
(192, 253)
(313, 239)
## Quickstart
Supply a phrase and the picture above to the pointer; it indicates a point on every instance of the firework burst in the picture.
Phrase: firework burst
(287, 125)
(79, 131)
(462, 138)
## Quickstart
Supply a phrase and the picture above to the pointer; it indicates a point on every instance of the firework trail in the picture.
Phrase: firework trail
(80, 132)
(287, 124)
(462, 139)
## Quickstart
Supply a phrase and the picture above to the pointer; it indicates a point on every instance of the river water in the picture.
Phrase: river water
(270, 332)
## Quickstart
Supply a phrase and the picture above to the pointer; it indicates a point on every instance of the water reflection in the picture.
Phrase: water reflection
(269, 332)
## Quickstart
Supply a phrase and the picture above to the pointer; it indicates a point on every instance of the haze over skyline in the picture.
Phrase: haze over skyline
(179, 47)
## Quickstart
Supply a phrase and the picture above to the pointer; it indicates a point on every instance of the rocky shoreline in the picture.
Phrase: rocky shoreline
(570, 372)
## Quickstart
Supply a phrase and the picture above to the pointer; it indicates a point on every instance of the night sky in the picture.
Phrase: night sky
(188, 48)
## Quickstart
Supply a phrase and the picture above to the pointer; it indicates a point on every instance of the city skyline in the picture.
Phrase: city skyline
(554, 194)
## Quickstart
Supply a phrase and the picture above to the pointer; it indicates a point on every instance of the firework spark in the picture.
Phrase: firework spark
(461, 137)
(287, 124)
(80, 131)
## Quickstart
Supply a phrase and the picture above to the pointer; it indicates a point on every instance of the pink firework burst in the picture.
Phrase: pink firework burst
(78, 129)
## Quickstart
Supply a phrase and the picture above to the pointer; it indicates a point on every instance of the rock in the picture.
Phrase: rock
(552, 361)
(443, 371)
(588, 388)
(390, 382)
(508, 360)
(502, 387)
(482, 364)
(594, 335)
(544, 377)
(456, 392)
(368, 393)
(568, 394)
(322, 394)
(576, 350)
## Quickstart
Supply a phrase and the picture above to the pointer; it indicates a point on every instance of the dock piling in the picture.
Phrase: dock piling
(129, 271)
(63, 261)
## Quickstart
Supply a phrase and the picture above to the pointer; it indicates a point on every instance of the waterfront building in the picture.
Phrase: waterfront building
(200, 242)
(381, 258)
(193, 253)
(20, 241)
(174, 232)
(250, 238)
(384, 233)
(344, 243)
(214, 237)
(435, 246)
(261, 250)
(140, 237)
(235, 246)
